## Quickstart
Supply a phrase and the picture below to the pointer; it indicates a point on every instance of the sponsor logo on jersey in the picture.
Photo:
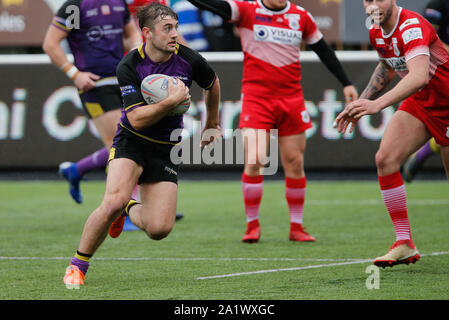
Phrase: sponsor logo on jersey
(412, 34)
(263, 19)
(380, 41)
(293, 20)
(92, 12)
(105, 10)
(94, 33)
(277, 35)
(395, 47)
(408, 22)
(118, 9)
(398, 64)
(127, 90)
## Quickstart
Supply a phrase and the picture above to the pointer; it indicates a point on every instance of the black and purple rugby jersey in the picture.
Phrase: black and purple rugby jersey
(185, 64)
(96, 39)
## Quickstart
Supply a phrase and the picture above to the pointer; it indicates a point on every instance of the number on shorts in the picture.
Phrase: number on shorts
(447, 133)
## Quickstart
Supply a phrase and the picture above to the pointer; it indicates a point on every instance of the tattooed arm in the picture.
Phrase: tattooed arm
(380, 79)
(416, 78)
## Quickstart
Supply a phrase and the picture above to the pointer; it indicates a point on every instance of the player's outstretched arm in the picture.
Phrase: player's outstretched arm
(212, 131)
(416, 79)
(330, 60)
(219, 7)
(381, 78)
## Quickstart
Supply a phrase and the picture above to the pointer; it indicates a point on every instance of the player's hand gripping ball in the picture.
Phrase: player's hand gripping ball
(154, 89)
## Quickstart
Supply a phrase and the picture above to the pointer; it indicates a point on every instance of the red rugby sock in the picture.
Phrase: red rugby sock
(252, 189)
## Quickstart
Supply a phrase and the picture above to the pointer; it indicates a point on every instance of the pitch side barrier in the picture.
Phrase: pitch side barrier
(42, 122)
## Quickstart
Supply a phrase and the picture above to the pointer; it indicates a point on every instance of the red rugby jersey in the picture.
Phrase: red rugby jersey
(134, 4)
(271, 46)
(412, 36)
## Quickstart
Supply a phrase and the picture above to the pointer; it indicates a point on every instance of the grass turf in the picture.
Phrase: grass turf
(41, 226)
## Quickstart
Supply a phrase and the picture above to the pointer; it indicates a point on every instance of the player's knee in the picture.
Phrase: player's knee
(114, 205)
(157, 236)
(158, 232)
(385, 160)
(252, 169)
(381, 159)
(294, 163)
(297, 162)
(157, 228)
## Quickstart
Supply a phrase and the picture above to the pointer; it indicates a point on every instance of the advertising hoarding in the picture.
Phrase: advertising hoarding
(42, 122)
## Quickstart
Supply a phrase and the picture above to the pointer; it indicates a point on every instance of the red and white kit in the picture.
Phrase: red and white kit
(412, 36)
(135, 4)
(272, 93)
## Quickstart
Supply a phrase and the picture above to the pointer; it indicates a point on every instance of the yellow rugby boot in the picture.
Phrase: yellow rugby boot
(401, 252)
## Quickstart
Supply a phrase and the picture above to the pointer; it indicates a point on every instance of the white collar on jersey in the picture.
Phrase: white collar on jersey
(287, 7)
(394, 29)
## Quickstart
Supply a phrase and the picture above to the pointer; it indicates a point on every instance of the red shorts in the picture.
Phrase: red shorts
(287, 114)
(435, 119)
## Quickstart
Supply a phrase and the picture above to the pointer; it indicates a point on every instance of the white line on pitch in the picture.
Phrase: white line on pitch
(343, 260)
(180, 259)
(304, 268)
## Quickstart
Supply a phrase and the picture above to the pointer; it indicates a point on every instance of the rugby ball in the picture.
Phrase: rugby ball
(154, 89)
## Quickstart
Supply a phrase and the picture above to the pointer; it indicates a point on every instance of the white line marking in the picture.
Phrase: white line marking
(283, 269)
(305, 267)
(181, 259)
(338, 262)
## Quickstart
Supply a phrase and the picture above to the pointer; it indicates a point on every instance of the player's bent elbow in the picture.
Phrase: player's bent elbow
(47, 47)
(137, 121)
(420, 80)
(424, 81)
(136, 125)
(216, 85)
(49, 44)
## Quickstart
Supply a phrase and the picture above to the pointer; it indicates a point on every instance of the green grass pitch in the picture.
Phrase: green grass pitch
(203, 258)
